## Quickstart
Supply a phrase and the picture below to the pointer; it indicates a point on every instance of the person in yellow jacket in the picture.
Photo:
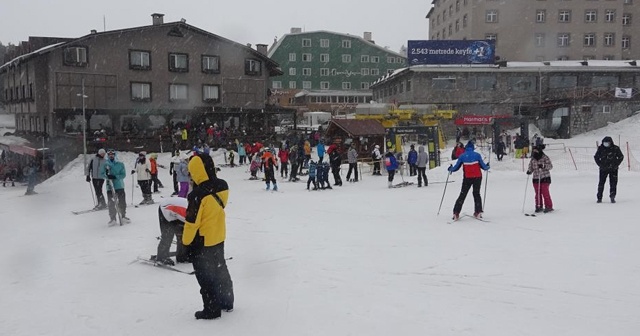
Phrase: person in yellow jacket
(204, 235)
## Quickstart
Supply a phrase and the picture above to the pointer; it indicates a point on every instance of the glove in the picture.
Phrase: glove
(540, 165)
(133, 171)
(450, 169)
(111, 177)
(529, 172)
(88, 178)
(488, 167)
(147, 170)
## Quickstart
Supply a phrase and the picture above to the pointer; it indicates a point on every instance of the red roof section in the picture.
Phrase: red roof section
(355, 127)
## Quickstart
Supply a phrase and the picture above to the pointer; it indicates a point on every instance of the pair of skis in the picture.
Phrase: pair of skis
(469, 216)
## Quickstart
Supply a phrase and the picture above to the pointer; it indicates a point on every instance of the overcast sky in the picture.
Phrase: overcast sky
(246, 21)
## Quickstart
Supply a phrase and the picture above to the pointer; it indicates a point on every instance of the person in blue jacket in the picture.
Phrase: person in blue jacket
(391, 164)
(115, 172)
(320, 149)
(412, 160)
(473, 165)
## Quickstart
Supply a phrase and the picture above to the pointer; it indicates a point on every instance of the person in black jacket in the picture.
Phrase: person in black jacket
(608, 158)
(336, 161)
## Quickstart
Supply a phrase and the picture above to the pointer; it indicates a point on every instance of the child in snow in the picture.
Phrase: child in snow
(391, 164)
(312, 175)
(539, 167)
(255, 165)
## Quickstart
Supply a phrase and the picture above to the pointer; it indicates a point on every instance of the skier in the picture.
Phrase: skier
(269, 166)
(143, 169)
(93, 170)
(242, 154)
(376, 156)
(293, 157)
(391, 164)
(422, 163)
(254, 166)
(608, 158)
(31, 173)
(323, 175)
(540, 166)
(472, 163)
(182, 176)
(412, 159)
(500, 149)
(153, 161)
(336, 161)
(352, 158)
(320, 149)
(283, 155)
(204, 233)
(114, 170)
(171, 213)
(173, 165)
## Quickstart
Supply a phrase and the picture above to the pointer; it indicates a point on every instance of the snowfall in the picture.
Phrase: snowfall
(360, 259)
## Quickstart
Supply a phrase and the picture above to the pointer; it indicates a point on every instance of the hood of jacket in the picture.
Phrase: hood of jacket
(470, 146)
(420, 149)
(201, 169)
(608, 139)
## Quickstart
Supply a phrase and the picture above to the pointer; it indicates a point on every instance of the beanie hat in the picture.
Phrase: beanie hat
(470, 145)
(102, 152)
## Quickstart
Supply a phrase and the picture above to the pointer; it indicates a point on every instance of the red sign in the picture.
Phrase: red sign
(476, 120)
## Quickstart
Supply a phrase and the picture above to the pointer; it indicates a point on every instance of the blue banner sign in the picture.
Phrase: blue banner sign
(451, 52)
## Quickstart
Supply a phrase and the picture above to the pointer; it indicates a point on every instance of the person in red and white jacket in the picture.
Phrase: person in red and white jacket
(539, 167)
(171, 215)
(473, 165)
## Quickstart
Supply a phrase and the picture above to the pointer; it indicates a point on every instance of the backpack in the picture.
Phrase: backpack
(373, 155)
(453, 153)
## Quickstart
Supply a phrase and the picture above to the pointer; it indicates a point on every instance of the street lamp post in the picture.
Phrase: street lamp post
(84, 127)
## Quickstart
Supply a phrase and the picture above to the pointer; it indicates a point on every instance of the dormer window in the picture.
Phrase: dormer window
(75, 56)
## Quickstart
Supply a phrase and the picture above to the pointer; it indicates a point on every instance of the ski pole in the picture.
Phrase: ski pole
(486, 182)
(444, 192)
(93, 196)
(539, 195)
(526, 186)
(132, 189)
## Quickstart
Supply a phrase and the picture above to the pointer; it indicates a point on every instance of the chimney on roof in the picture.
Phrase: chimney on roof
(262, 48)
(93, 31)
(367, 36)
(157, 19)
(296, 30)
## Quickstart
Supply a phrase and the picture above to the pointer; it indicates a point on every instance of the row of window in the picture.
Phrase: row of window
(323, 85)
(346, 58)
(339, 99)
(19, 93)
(141, 91)
(177, 62)
(335, 72)
(324, 43)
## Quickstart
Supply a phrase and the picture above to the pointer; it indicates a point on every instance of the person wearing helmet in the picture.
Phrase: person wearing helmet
(143, 169)
(93, 170)
(115, 171)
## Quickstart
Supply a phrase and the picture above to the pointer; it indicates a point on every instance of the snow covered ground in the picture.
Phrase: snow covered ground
(357, 260)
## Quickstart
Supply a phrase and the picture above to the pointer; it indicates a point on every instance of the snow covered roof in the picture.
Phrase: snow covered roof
(318, 93)
(25, 57)
(277, 44)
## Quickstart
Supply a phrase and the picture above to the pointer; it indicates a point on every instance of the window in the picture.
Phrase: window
(306, 71)
(481, 83)
(210, 64)
(346, 43)
(292, 57)
(141, 91)
(628, 2)
(346, 85)
(364, 59)
(450, 29)
(364, 85)
(324, 58)
(609, 39)
(590, 16)
(626, 19)
(626, 42)
(464, 21)
(375, 72)
(375, 59)
(564, 16)
(178, 62)
(491, 16)
(457, 6)
(76, 56)
(276, 84)
(178, 92)
(491, 36)
(589, 40)
(324, 85)
(324, 71)
(391, 59)
(292, 71)
(292, 84)
(606, 108)
(603, 81)
(541, 15)
(364, 71)
(306, 57)
(564, 39)
(610, 15)
(443, 83)
(539, 39)
(562, 82)
(306, 42)
(306, 85)
(324, 43)
(346, 58)
(523, 84)
(457, 26)
(444, 14)
(252, 67)
(211, 93)
(139, 60)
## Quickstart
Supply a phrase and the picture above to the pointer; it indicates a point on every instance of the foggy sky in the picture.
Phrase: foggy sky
(245, 21)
